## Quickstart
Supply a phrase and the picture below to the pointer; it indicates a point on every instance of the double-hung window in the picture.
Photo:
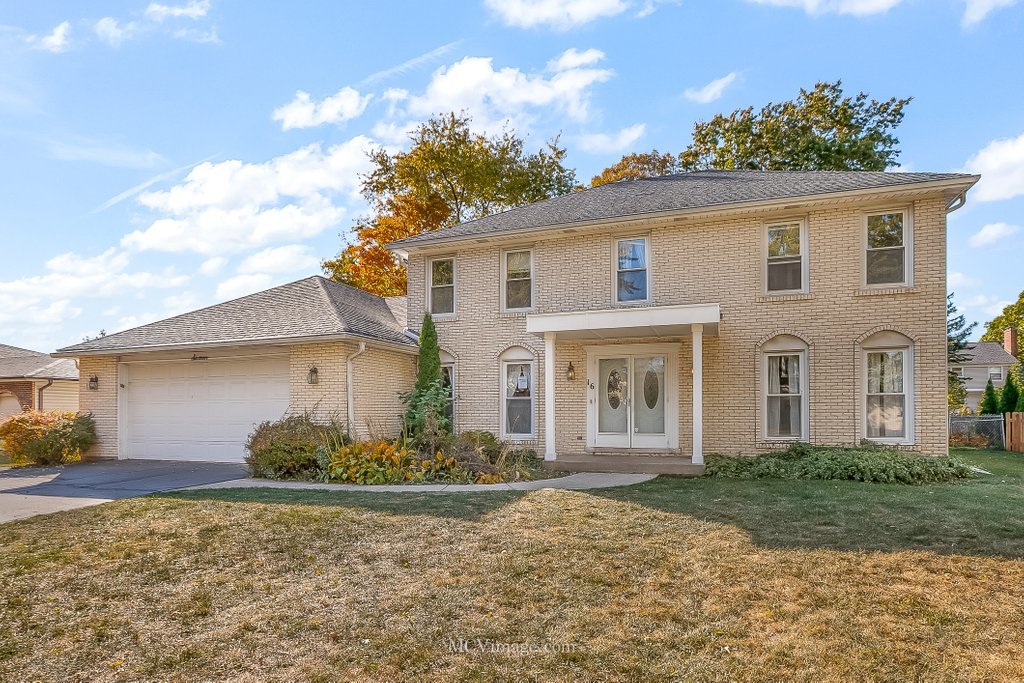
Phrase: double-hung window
(448, 382)
(887, 260)
(518, 394)
(787, 257)
(517, 280)
(632, 281)
(442, 286)
(995, 374)
(887, 384)
(785, 396)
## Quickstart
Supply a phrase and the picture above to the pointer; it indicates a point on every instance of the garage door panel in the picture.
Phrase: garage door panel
(201, 410)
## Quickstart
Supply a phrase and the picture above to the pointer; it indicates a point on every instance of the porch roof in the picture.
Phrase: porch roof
(622, 323)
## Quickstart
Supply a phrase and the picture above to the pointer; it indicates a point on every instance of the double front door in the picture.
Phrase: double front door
(633, 397)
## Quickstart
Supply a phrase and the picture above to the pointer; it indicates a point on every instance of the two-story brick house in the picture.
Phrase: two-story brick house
(651, 321)
(719, 311)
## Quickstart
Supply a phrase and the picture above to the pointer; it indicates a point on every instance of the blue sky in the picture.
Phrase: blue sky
(156, 157)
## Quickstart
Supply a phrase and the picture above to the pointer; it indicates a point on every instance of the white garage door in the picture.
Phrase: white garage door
(200, 410)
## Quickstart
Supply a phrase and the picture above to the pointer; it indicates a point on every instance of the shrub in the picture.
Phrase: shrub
(47, 438)
(966, 440)
(287, 448)
(385, 462)
(989, 400)
(425, 417)
(866, 464)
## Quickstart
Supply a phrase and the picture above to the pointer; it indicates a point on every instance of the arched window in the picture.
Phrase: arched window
(448, 380)
(888, 385)
(517, 393)
(786, 408)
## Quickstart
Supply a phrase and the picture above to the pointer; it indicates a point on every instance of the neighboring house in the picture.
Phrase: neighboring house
(718, 311)
(191, 387)
(30, 380)
(983, 361)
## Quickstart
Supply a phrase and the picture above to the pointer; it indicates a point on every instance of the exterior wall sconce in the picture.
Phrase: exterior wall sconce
(314, 375)
(94, 383)
(570, 374)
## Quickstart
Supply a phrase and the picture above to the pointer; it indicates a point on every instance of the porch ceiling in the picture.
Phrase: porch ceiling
(622, 323)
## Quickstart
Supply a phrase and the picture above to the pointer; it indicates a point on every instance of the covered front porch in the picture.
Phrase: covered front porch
(623, 388)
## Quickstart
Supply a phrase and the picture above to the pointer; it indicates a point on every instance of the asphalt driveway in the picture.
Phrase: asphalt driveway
(25, 492)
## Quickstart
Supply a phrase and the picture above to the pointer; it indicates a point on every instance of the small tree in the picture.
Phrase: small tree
(989, 401)
(430, 355)
(425, 419)
(1009, 398)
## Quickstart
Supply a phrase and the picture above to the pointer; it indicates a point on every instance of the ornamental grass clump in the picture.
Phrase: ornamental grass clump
(867, 464)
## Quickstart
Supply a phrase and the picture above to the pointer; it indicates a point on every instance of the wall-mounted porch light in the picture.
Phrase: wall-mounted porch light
(94, 383)
(570, 374)
(313, 377)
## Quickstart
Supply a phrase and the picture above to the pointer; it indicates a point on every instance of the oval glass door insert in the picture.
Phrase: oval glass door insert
(652, 388)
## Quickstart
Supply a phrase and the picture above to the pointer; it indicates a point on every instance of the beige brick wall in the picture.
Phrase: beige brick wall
(327, 400)
(714, 261)
(102, 403)
(380, 377)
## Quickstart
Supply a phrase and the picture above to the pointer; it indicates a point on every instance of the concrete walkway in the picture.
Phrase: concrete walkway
(574, 482)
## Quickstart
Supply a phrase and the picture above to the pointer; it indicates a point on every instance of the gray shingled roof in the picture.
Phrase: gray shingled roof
(313, 307)
(16, 363)
(682, 191)
(986, 353)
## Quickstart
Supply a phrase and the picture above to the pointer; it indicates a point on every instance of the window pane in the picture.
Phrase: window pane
(518, 418)
(442, 300)
(518, 380)
(784, 418)
(517, 294)
(885, 372)
(886, 417)
(517, 265)
(442, 272)
(784, 275)
(632, 285)
(632, 254)
(784, 240)
(885, 230)
(885, 266)
(784, 374)
(448, 382)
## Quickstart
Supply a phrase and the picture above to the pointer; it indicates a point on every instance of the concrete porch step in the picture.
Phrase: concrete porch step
(631, 464)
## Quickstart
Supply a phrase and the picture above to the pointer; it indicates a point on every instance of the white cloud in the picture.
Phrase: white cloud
(196, 9)
(493, 96)
(107, 154)
(558, 14)
(712, 91)
(59, 40)
(598, 143)
(1001, 166)
(113, 33)
(854, 7)
(212, 266)
(240, 285)
(990, 306)
(957, 280)
(976, 10)
(286, 259)
(573, 59)
(303, 112)
(991, 234)
(209, 37)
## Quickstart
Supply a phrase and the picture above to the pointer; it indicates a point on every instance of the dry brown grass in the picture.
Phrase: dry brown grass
(304, 586)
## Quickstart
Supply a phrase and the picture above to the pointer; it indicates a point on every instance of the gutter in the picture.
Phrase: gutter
(350, 397)
(39, 400)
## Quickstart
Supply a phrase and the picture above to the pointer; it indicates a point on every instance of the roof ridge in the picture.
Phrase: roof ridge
(338, 316)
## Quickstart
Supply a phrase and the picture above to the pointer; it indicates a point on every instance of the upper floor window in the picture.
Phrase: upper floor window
(995, 374)
(787, 257)
(517, 280)
(442, 286)
(888, 242)
(631, 270)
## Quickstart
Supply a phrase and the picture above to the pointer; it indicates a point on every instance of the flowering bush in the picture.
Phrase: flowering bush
(384, 462)
(38, 438)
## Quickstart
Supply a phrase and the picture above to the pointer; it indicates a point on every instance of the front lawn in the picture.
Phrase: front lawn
(674, 579)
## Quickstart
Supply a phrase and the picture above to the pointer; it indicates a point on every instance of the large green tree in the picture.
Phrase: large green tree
(449, 174)
(989, 400)
(1009, 397)
(822, 129)
(1012, 316)
(957, 332)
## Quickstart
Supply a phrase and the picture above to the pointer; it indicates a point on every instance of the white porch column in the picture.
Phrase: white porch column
(698, 393)
(549, 395)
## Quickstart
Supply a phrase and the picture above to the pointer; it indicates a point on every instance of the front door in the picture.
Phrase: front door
(632, 397)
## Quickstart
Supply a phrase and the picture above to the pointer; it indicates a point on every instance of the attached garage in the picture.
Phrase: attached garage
(199, 409)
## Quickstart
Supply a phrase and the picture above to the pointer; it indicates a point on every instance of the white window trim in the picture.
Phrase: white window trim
(615, 270)
(504, 282)
(997, 377)
(908, 392)
(805, 285)
(908, 246)
(430, 287)
(805, 403)
(532, 436)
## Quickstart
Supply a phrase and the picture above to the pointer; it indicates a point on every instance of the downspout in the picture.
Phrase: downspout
(957, 202)
(350, 392)
(39, 400)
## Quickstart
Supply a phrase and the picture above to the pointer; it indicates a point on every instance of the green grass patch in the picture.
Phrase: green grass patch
(868, 464)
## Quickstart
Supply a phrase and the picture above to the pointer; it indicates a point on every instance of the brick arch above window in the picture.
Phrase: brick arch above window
(783, 333)
(517, 351)
(909, 337)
